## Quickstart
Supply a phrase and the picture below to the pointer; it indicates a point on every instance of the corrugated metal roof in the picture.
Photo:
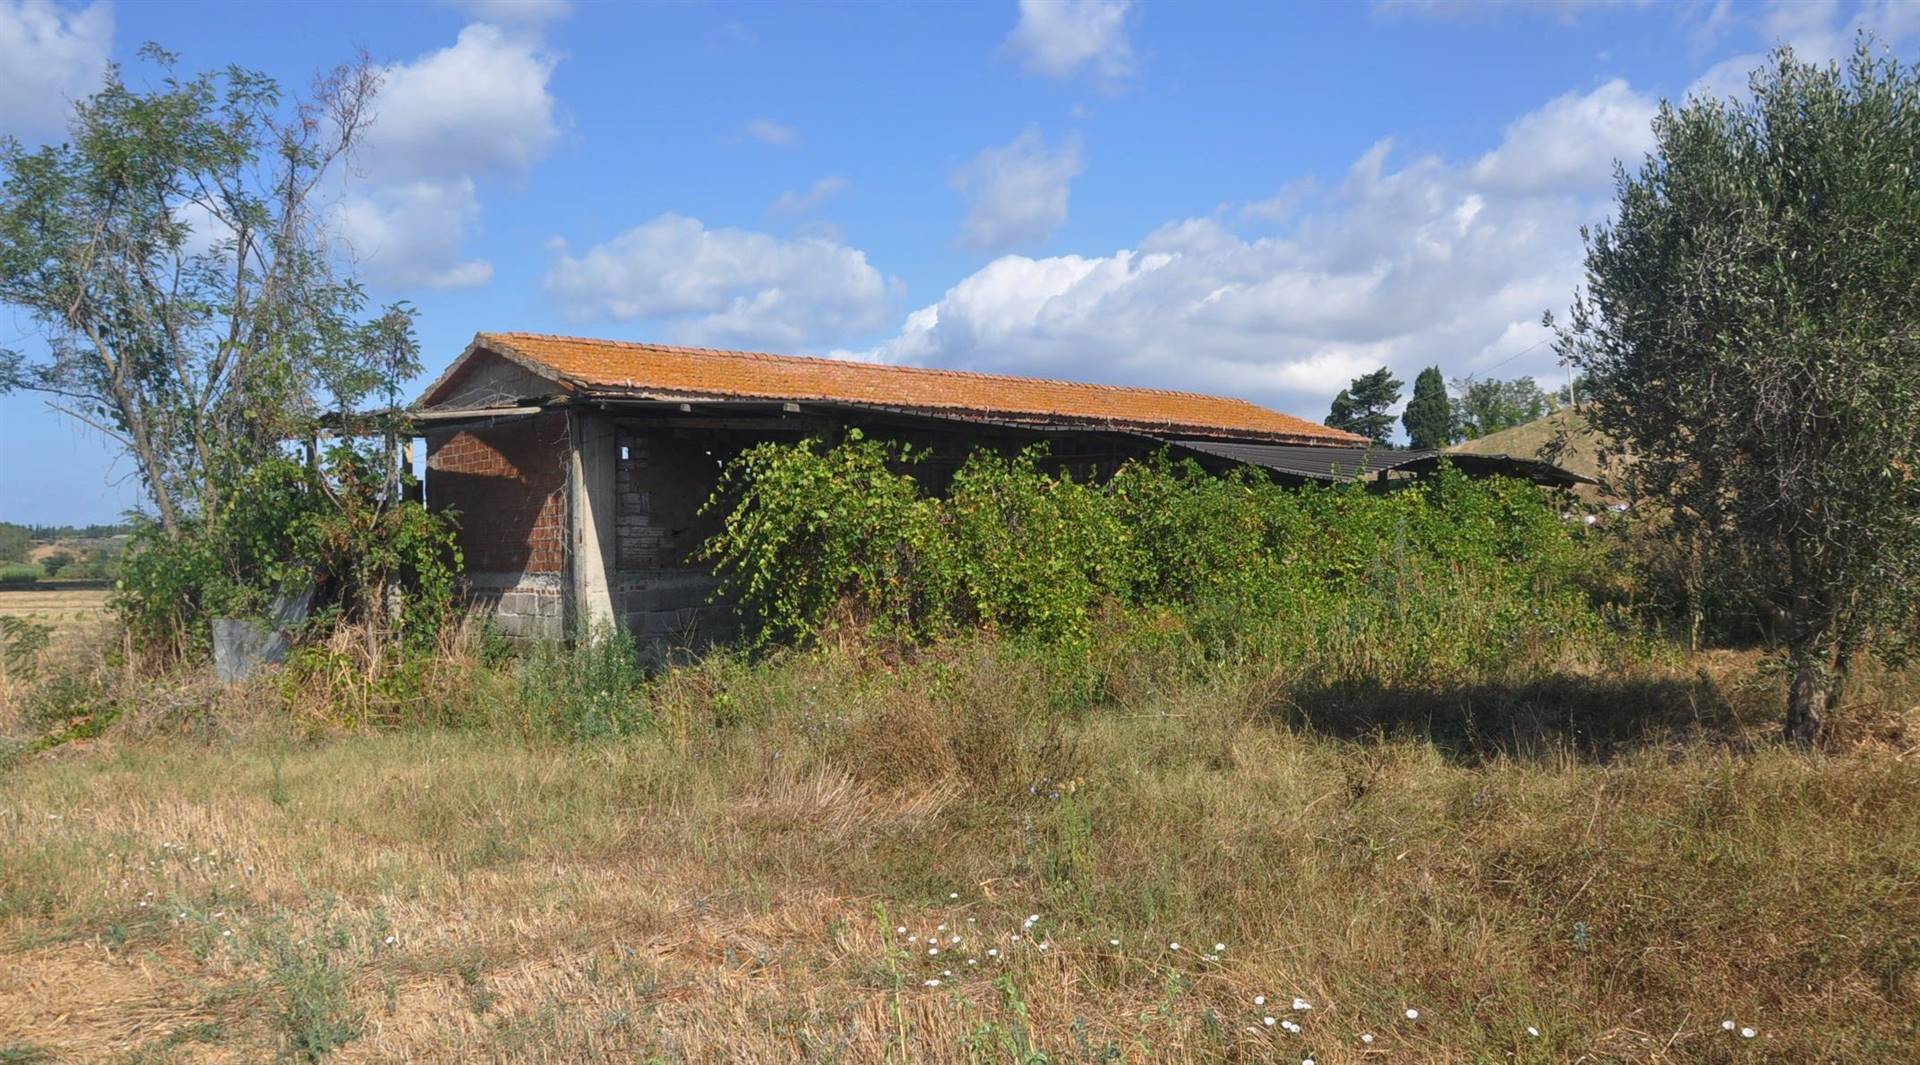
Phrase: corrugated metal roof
(1316, 463)
(621, 369)
(1351, 463)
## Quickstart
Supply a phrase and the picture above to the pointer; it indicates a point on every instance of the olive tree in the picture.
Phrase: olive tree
(175, 255)
(1750, 334)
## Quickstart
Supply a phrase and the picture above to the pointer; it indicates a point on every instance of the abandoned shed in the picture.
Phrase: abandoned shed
(578, 468)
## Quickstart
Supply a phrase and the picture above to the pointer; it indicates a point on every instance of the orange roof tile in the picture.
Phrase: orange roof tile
(618, 367)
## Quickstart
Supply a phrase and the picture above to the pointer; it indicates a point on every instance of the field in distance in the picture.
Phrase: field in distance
(65, 609)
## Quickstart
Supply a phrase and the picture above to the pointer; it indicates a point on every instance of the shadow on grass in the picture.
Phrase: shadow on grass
(1560, 718)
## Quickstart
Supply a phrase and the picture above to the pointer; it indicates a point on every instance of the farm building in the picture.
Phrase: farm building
(578, 468)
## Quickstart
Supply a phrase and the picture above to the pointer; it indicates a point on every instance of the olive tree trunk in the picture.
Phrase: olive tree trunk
(1813, 689)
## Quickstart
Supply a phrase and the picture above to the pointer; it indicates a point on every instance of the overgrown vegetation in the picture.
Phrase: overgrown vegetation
(1620, 862)
(377, 563)
(1432, 584)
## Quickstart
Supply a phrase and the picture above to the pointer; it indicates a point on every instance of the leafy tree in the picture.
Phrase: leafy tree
(1429, 414)
(56, 562)
(1362, 406)
(178, 268)
(14, 541)
(1484, 407)
(1342, 414)
(1750, 332)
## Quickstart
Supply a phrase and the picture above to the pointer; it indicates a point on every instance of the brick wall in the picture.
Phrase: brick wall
(507, 486)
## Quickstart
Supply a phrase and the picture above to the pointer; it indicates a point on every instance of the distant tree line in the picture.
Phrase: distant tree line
(1440, 414)
(17, 540)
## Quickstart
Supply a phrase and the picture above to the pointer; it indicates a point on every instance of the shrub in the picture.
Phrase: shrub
(594, 689)
(373, 560)
(1443, 580)
(810, 529)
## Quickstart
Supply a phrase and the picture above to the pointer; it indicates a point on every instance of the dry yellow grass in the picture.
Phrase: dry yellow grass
(728, 885)
(65, 609)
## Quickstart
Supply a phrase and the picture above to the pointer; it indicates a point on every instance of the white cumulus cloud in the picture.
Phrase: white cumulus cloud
(725, 286)
(49, 57)
(411, 233)
(1405, 262)
(1572, 141)
(1819, 31)
(1016, 194)
(1059, 38)
(477, 108)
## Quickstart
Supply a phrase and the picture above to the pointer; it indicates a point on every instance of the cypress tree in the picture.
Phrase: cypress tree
(1429, 417)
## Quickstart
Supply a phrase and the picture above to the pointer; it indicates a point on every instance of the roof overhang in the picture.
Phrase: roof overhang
(1334, 464)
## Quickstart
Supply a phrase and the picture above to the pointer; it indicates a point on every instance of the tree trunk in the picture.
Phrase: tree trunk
(1809, 697)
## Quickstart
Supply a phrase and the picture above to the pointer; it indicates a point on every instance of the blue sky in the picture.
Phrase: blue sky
(1252, 199)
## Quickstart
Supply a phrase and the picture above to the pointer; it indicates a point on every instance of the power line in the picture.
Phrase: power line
(1510, 358)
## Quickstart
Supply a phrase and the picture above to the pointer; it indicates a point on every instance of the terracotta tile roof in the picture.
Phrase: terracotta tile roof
(615, 367)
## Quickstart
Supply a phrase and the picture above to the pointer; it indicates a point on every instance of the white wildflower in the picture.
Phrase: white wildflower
(1302, 1004)
(1268, 1021)
(1113, 942)
(952, 895)
(1413, 1014)
(1174, 945)
(1219, 948)
(1259, 1000)
(1726, 1026)
(1367, 1038)
(1748, 1033)
(1532, 1031)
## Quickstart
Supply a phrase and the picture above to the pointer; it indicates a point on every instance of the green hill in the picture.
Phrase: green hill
(1535, 440)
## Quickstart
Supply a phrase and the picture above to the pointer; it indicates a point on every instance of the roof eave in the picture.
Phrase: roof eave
(616, 393)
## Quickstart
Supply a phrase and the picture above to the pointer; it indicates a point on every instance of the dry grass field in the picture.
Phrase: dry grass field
(66, 610)
(766, 871)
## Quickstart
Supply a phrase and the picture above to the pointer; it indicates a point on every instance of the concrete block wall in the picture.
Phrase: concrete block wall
(663, 478)
(524, 606)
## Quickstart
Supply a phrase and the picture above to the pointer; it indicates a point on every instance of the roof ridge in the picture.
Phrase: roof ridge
(936, 371)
